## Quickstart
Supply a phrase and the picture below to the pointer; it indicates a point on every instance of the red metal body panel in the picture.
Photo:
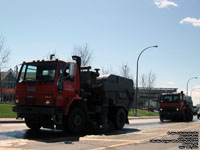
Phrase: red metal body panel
(179, 105)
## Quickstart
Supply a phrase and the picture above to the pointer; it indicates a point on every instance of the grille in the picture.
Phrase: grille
(30, 101)
(169, 109)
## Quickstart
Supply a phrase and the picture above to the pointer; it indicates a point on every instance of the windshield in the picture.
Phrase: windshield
(170, 99)
(38, 72)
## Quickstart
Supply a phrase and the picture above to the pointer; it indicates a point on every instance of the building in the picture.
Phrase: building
(7, 86)
(149, 99)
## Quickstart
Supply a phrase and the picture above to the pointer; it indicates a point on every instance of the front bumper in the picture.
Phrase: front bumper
(170, 115)
(23, 110)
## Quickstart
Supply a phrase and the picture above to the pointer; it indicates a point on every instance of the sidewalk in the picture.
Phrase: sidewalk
(14, 120)
(143, 117)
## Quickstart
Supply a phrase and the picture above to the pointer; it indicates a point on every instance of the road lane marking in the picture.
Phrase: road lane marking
(141, 133)
(105, 140)
(16, 142)
(4, 148)
(122, 144)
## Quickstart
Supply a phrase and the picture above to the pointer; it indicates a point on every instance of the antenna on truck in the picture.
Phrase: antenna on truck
(51, 56)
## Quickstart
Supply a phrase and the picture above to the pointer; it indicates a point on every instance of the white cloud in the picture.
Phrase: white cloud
(195, 93)
(164, 3)
(195, 22)
(171, 83)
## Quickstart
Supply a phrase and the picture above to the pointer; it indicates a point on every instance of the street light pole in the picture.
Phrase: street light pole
(136, 92)
(189, 81)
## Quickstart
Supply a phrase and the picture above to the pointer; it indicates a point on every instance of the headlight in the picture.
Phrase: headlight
(16, 101)
(161, 109)
(47, 102)
(177, 109)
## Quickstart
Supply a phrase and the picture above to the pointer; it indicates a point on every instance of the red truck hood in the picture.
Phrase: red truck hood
(35, 94)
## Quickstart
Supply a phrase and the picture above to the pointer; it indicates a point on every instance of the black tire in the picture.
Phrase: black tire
(120, 118)
(76, 120)
(191, 115)
(173, 119)
(161, 119)
(184, 117)
(188, 116)
(33, 123)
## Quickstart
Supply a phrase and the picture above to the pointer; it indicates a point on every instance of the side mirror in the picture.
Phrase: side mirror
(72, 71)
(160, 99)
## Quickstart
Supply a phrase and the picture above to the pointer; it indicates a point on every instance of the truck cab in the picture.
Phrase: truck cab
(45, 90)
(176, 106)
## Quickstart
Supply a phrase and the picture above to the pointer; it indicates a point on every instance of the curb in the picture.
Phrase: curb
(11, 120)
(144, 117)
(14, 120)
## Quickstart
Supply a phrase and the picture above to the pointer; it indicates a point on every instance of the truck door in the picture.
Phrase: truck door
(68, 75)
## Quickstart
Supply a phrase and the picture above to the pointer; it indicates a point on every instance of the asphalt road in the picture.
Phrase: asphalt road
(140, 134)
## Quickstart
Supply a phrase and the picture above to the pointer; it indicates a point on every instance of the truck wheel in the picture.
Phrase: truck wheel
(191, 116)
(184, 117)
(161, 119)
(188, 117)
(33, 123)
(76, 120)
(120, 118)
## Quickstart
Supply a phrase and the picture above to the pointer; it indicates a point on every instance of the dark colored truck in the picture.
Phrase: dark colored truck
(176, 107)
(68, 96)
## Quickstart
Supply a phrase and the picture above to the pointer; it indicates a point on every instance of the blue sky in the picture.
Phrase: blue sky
(116, 30)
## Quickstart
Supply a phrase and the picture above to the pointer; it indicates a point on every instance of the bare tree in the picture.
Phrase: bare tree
(4, 58)
(125, 71)
(4, 53)
(106, 70)
(84, 52)
(143, 80)
(148, 82)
